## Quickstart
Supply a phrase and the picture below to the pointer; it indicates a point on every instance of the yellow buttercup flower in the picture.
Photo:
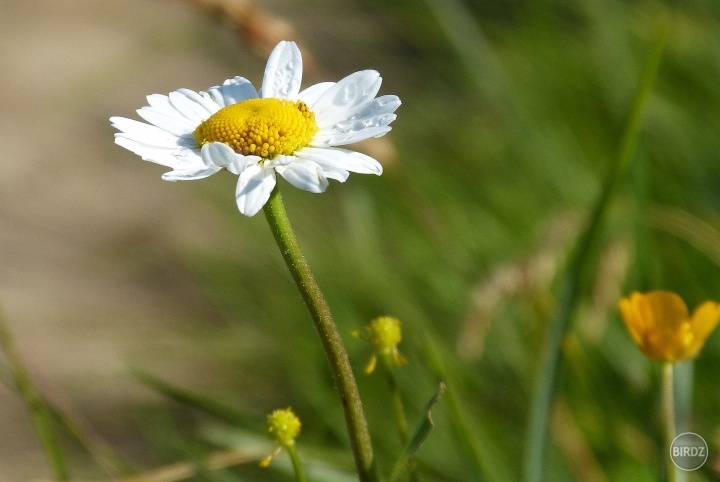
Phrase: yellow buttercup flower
(660, 324)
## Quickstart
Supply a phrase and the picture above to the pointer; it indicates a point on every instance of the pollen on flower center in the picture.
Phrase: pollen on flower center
(260, 127)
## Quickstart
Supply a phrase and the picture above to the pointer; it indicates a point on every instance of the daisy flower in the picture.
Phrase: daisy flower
(258, 134)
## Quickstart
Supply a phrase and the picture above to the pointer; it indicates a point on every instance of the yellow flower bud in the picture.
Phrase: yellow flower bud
(283, 426)
(384, 334)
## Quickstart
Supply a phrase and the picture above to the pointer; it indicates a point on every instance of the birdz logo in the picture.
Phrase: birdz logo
(688, 451)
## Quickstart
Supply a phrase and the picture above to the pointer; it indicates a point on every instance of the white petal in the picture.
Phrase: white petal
(280, 160)
(145, 133)
(178, 158)
(371, 120)
(188, 107)
(313, 93)
(192, 166)
(283, 72)
(385, 104)
(217, 154)
(188, 159)
(161, 102)
(190, 174)
(158, 155)
(241, 163)
(233, 91)
(200, 103)
(306, 175)
(171, 122)
(214, 94)
(359, 135)
(209, 106)
(329, 137)
(222, 155)
(253, 190)
(332, 172)
(346, 98)
(336, 158)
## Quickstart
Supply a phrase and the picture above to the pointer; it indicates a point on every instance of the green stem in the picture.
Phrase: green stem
(38, 410)
(329, 336)
(398, 410)
(297, 466)
(669, 409)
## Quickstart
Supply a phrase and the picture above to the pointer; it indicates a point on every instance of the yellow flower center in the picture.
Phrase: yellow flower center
(260, 127)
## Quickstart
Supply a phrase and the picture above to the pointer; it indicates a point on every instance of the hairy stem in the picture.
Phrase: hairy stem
(329, 336)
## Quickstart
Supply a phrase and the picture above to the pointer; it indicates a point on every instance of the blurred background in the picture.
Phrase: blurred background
(513, 113)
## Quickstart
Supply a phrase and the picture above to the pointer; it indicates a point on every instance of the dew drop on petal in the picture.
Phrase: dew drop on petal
(347, 94)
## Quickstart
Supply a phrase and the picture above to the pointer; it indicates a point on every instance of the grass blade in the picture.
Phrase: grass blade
(200, 402)
(572, 285)
(472, 437)
(36, 406)
(419, 436)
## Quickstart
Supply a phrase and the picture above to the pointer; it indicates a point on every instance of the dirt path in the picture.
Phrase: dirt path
(80, 217)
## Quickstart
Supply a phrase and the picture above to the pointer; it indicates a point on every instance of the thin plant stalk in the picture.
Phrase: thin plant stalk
(329, 336)
(669, 416)
(297, 466)
(398, 409)
(39, 412)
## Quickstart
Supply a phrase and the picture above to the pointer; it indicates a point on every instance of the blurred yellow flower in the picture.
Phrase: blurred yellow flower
(660, 324)
(283, 427)
(383, 334)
